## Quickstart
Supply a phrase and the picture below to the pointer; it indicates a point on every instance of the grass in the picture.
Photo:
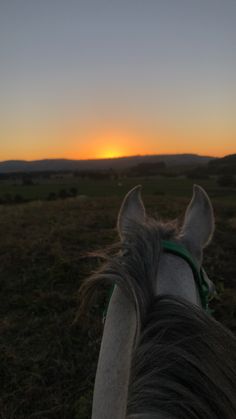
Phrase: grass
(112, 187)
(48, 361)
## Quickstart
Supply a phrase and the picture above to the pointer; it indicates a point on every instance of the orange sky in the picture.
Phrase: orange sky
(72, 140)
(115, 144)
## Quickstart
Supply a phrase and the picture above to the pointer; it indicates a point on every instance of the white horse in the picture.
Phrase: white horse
(162, 355)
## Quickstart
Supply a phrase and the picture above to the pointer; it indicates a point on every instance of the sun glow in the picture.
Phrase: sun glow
(110, 152)
(110, 145)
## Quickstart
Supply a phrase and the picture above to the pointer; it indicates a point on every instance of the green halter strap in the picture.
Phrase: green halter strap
(198, 273)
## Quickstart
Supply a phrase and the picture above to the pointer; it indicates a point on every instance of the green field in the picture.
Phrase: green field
(158, 185)
(48, 360)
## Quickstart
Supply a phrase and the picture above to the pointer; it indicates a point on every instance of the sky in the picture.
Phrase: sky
(107, 78)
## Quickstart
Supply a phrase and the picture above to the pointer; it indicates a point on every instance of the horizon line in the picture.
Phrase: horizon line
(113, 158)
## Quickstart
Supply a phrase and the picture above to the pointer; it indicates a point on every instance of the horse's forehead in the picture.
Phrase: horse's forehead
(175, 277)
(170, 263)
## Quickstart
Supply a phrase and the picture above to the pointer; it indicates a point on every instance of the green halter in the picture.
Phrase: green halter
(198, 273)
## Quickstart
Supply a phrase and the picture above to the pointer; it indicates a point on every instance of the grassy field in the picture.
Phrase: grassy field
(48, 360)
(157, 185)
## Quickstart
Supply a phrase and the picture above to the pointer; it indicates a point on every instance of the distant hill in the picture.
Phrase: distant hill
(101, 164)
(224, 165)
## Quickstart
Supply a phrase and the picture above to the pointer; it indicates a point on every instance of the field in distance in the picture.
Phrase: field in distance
(64, 186)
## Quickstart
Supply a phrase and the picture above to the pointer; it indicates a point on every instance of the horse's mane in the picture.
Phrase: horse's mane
(184, 364)
(184, 361)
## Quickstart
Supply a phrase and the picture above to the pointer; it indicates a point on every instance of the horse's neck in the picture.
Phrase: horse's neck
(175, 278)
(111, 384)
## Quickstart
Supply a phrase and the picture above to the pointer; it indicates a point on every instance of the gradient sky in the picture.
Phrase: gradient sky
(104, 78)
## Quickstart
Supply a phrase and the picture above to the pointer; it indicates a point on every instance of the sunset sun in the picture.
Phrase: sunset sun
(110, 152)
(110, 145)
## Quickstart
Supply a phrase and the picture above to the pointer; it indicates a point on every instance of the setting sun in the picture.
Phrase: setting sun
(110, 144)
(109, 151)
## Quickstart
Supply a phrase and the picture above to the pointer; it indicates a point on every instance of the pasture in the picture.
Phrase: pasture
(48, 359)
(42, 188)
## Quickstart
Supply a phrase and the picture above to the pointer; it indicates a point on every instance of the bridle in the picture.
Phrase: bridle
(200, 275)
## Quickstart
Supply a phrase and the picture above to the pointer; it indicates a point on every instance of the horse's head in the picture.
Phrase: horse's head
(181, 257)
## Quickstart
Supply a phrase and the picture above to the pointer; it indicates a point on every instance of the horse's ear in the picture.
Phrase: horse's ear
(132, 209)
(198, 225)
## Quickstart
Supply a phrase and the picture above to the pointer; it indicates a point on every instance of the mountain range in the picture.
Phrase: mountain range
(101, 164)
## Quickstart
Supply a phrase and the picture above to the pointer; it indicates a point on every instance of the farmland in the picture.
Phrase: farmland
(42, 189)
(48, 358)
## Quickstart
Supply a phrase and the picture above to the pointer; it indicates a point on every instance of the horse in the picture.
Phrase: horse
(162, 355)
